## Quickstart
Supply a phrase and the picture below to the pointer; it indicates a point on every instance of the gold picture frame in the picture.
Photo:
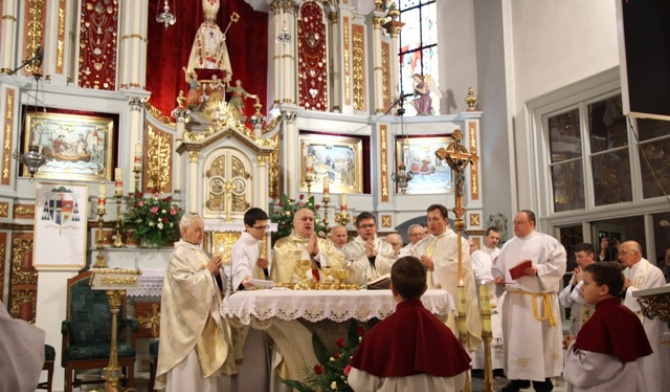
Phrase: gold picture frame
(81, 146)
(338, 157)
(430, 174)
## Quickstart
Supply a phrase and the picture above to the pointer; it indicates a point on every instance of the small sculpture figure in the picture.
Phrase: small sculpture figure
(238, 96)
(193, 95)
(423, 85)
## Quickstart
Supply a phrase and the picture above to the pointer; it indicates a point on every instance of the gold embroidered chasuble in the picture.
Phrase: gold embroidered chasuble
(190, 316)
(289, 249)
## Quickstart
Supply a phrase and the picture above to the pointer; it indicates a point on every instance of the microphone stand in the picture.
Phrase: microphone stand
(35, 61)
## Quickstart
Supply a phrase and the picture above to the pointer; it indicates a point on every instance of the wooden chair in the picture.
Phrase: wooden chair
(87, 332)
(49, 357)
(153, 351)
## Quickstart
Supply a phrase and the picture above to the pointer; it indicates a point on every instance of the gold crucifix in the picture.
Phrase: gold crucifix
(458, 158)
(154, 320)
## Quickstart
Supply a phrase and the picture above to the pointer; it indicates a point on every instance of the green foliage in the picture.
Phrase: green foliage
(331, 372)
(156, 219)
(288, 207)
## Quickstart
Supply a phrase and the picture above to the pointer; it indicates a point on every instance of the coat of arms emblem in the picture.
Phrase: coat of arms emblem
(61, 208)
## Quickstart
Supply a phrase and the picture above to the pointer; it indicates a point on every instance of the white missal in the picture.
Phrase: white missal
(266, 284)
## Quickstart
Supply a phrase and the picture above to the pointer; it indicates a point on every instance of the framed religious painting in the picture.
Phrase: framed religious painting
(335, 160)
(81, 147)
(430, 175)
(60, 224)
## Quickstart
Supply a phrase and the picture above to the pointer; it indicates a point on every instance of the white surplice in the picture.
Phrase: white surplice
(571, 297)
(362, 381)
(595, 372)
(359, 264)
(243, 258)
(533, 348)
(644, 275)
(22, 350)
(482, 261)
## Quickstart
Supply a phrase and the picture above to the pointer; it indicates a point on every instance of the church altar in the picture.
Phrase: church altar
(291, 317)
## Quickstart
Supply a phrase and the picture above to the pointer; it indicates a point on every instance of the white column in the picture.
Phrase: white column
(9, 19)
(125, 13)
(288, 56)
(395, 72)
(193, 196)
(293, 155)
(262, 182)
(181, 115)
(378, 69)
(275, 23)
(136, 117)
(336, 58)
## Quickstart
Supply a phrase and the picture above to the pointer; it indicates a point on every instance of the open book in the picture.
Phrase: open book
(517, 271)
(266, 284)
(382, 282)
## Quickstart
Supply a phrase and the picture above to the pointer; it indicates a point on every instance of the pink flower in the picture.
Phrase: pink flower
(318, 369)
(339, 342)
(346, 370)
(302, 204)
(173, 212)
(140, 203)
(154, 210)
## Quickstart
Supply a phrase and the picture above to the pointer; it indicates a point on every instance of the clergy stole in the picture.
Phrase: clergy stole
(258, 272)
(429, 253)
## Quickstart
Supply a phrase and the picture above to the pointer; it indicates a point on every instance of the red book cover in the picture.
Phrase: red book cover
(517, 271)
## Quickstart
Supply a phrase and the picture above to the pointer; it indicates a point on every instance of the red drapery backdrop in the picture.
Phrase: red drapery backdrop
(168, 50)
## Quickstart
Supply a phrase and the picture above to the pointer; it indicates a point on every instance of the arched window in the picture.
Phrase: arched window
(418, 46)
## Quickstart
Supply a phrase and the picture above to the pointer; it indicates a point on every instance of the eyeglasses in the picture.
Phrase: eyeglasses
(519, 223)
(368, 226)
(261, 227)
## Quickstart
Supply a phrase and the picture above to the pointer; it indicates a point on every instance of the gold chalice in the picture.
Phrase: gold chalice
(327, 271)
(301, 267)
(341, 274)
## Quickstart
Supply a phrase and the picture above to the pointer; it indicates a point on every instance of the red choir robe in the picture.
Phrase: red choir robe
(409, 349)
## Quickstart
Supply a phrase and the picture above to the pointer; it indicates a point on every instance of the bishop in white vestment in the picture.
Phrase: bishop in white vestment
(531, 315)
(641, 274)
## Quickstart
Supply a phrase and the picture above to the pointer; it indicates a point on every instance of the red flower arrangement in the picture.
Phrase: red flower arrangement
(156, 219)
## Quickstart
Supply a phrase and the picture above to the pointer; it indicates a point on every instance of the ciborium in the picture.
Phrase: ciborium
(341, 274)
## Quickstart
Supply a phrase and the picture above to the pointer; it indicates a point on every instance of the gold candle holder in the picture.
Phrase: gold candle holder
(326, 200)
(118, 241)
(342, 217)
(488, 361)
(100, 257)
(137, 170)
(309, 177)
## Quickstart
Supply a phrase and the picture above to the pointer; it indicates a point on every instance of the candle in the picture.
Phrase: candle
(343, 202)
(485, 304)
(309, 163)
(138, 157)
(102, 197)
(461, 307)
(118, 181)
(326, 185)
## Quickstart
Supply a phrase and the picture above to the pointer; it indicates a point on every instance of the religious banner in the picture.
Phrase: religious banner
(60, 226)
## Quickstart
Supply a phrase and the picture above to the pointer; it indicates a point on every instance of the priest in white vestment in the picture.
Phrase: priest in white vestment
(303, 243)
(338, 236)
(22, 350)
(414, 234)
(246, 255)
(571, 296)
(641, 274)
(367, 256)
(482, 261)
(195, 346)
(439, 253)
(531, 314)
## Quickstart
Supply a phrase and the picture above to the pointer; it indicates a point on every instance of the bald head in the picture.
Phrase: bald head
(303, 223)
(396, 241)
(338, 235)
(630, 253)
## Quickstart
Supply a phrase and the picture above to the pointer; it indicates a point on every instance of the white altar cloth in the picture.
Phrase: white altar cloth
(318, 305)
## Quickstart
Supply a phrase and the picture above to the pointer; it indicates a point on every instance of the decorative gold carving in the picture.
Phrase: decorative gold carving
(22, 211)
(60, 39)
(8, 135)
(333, 17)
(347, 68)
(217, 168)
(386, 220)
(384, 159)
(193, 156)
(262, 160)
(273, 173)
(9, 17)
(23, 272)
(4, 210)
(153, 319)
(377, 22)
(239, 170)
(471, 100)
(222, 243)
(386, 71)
(358, 50)
(3, 249)
(123, 281)
(22, 301)
(33, 35)
(157, 114)
(474, 170)
(656, 306)
(474, 220)
(158, 160)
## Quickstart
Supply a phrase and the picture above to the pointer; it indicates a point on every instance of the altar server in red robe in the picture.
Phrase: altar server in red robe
(411, 350)
(606, 356)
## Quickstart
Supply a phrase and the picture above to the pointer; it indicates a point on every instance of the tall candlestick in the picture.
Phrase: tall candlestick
(309, 163)
(118, 181)
(102, 197)
(461, 307)
(343, 202)
(485, 305)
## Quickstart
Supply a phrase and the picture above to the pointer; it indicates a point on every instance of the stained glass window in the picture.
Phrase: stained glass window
(418, 49)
